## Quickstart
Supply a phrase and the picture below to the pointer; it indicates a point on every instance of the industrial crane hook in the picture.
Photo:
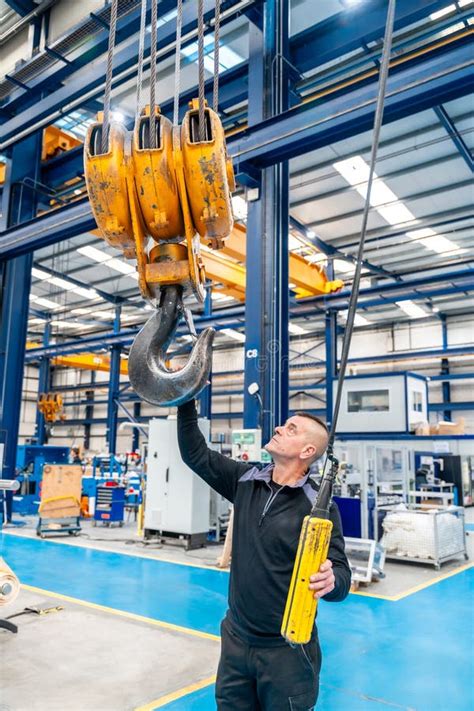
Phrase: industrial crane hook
(149, 375)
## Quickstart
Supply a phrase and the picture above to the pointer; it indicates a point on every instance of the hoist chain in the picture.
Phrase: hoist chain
(177, 66)
(153, 48)
(141, 53)
(108, 75)
(217, 26)
(383, 75)
(202, 97)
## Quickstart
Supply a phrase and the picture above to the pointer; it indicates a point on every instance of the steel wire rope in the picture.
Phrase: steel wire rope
(202, 97)
(153, 41)
(217, 27)
(177, 63)
(383, 75)
(108, 75)
(141, 53)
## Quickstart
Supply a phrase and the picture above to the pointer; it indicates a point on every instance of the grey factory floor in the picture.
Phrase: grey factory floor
(74, 658)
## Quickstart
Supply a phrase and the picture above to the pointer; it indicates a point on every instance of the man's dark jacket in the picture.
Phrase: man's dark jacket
(267, 525)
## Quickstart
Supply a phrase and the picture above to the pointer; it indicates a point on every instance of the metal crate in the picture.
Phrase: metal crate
(424, 535)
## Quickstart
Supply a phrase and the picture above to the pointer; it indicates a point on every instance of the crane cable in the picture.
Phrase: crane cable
(108, 75)
(177, 64)
(328, 478)
(201, 87)
(141, 53)
(217, 27)
(153, 52)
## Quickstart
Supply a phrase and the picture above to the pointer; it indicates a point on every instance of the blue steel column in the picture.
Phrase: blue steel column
(18, 205)
(44, 382)
(89, 413)
(445, 385)
(114, 386)
(205, 399)
(266, 345)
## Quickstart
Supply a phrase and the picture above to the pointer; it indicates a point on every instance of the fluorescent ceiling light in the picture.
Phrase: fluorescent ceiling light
(66, 324)
(311, 234)
(216, 296)
(239, 207)
(86, 293)
(421, 233)
(44, 302)
(106, 315)
(465, 3)
(412, 309)
(444, 11)
(81, 312)
(62, 283)
(297, 330)
(359, 320)
(96, 254)
(340, 265)
(39, 274)
(452, 28)
(35, 321)
(78, 191)
(439, 244)
(233, 334)
(118, 116)
(396, 214)
(119, 266)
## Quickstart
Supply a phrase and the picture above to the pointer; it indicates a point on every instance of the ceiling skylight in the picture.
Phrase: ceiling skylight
(97, 255)
(236, 335)
(359, 320)
(297, 330)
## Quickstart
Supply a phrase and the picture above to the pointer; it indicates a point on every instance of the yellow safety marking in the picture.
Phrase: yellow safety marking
(87, 545)
(417, 588)
(123, 613)
(163, 700)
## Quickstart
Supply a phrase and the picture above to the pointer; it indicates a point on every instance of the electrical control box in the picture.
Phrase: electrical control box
(392, 402)
(177, 502)
(247, 445)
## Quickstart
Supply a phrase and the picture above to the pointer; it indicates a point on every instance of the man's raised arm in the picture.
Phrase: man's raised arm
(220, 472)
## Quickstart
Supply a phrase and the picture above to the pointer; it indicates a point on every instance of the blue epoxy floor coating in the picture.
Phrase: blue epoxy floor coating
(415, 654)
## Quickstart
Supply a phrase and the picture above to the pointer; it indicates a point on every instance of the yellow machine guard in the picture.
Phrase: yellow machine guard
(209, 176)
(155, 178)
(106, 180)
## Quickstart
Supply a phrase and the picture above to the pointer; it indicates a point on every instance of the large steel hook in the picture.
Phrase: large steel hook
(149, 375)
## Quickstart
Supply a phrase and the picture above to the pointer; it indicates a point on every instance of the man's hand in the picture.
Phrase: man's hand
(324, 581)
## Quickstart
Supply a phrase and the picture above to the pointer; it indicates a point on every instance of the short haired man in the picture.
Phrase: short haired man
(258, 669)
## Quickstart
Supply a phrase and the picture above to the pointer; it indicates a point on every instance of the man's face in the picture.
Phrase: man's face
(299, 438)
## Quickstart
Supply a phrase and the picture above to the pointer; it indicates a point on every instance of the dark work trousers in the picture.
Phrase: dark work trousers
(266, 678)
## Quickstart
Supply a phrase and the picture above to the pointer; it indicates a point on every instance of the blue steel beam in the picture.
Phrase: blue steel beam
(454, 135)
(345, 31)
(338, 35)
(89, 82)
(331, 251)
(412, 87)
(22, 7)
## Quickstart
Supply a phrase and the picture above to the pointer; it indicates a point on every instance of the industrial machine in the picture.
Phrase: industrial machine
(177, 501)
(391, 403)
(30, 459)
(247, 445)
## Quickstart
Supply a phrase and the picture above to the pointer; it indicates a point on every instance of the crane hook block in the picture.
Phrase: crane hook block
(209, 175)
(106, 180)
(155, 178)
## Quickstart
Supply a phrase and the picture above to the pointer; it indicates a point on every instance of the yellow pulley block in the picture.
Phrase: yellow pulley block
(209, 175)
(168, 263)
(155, 178)
(106, 180)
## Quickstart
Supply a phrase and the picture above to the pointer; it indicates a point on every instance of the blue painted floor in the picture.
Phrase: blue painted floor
(415, 654)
